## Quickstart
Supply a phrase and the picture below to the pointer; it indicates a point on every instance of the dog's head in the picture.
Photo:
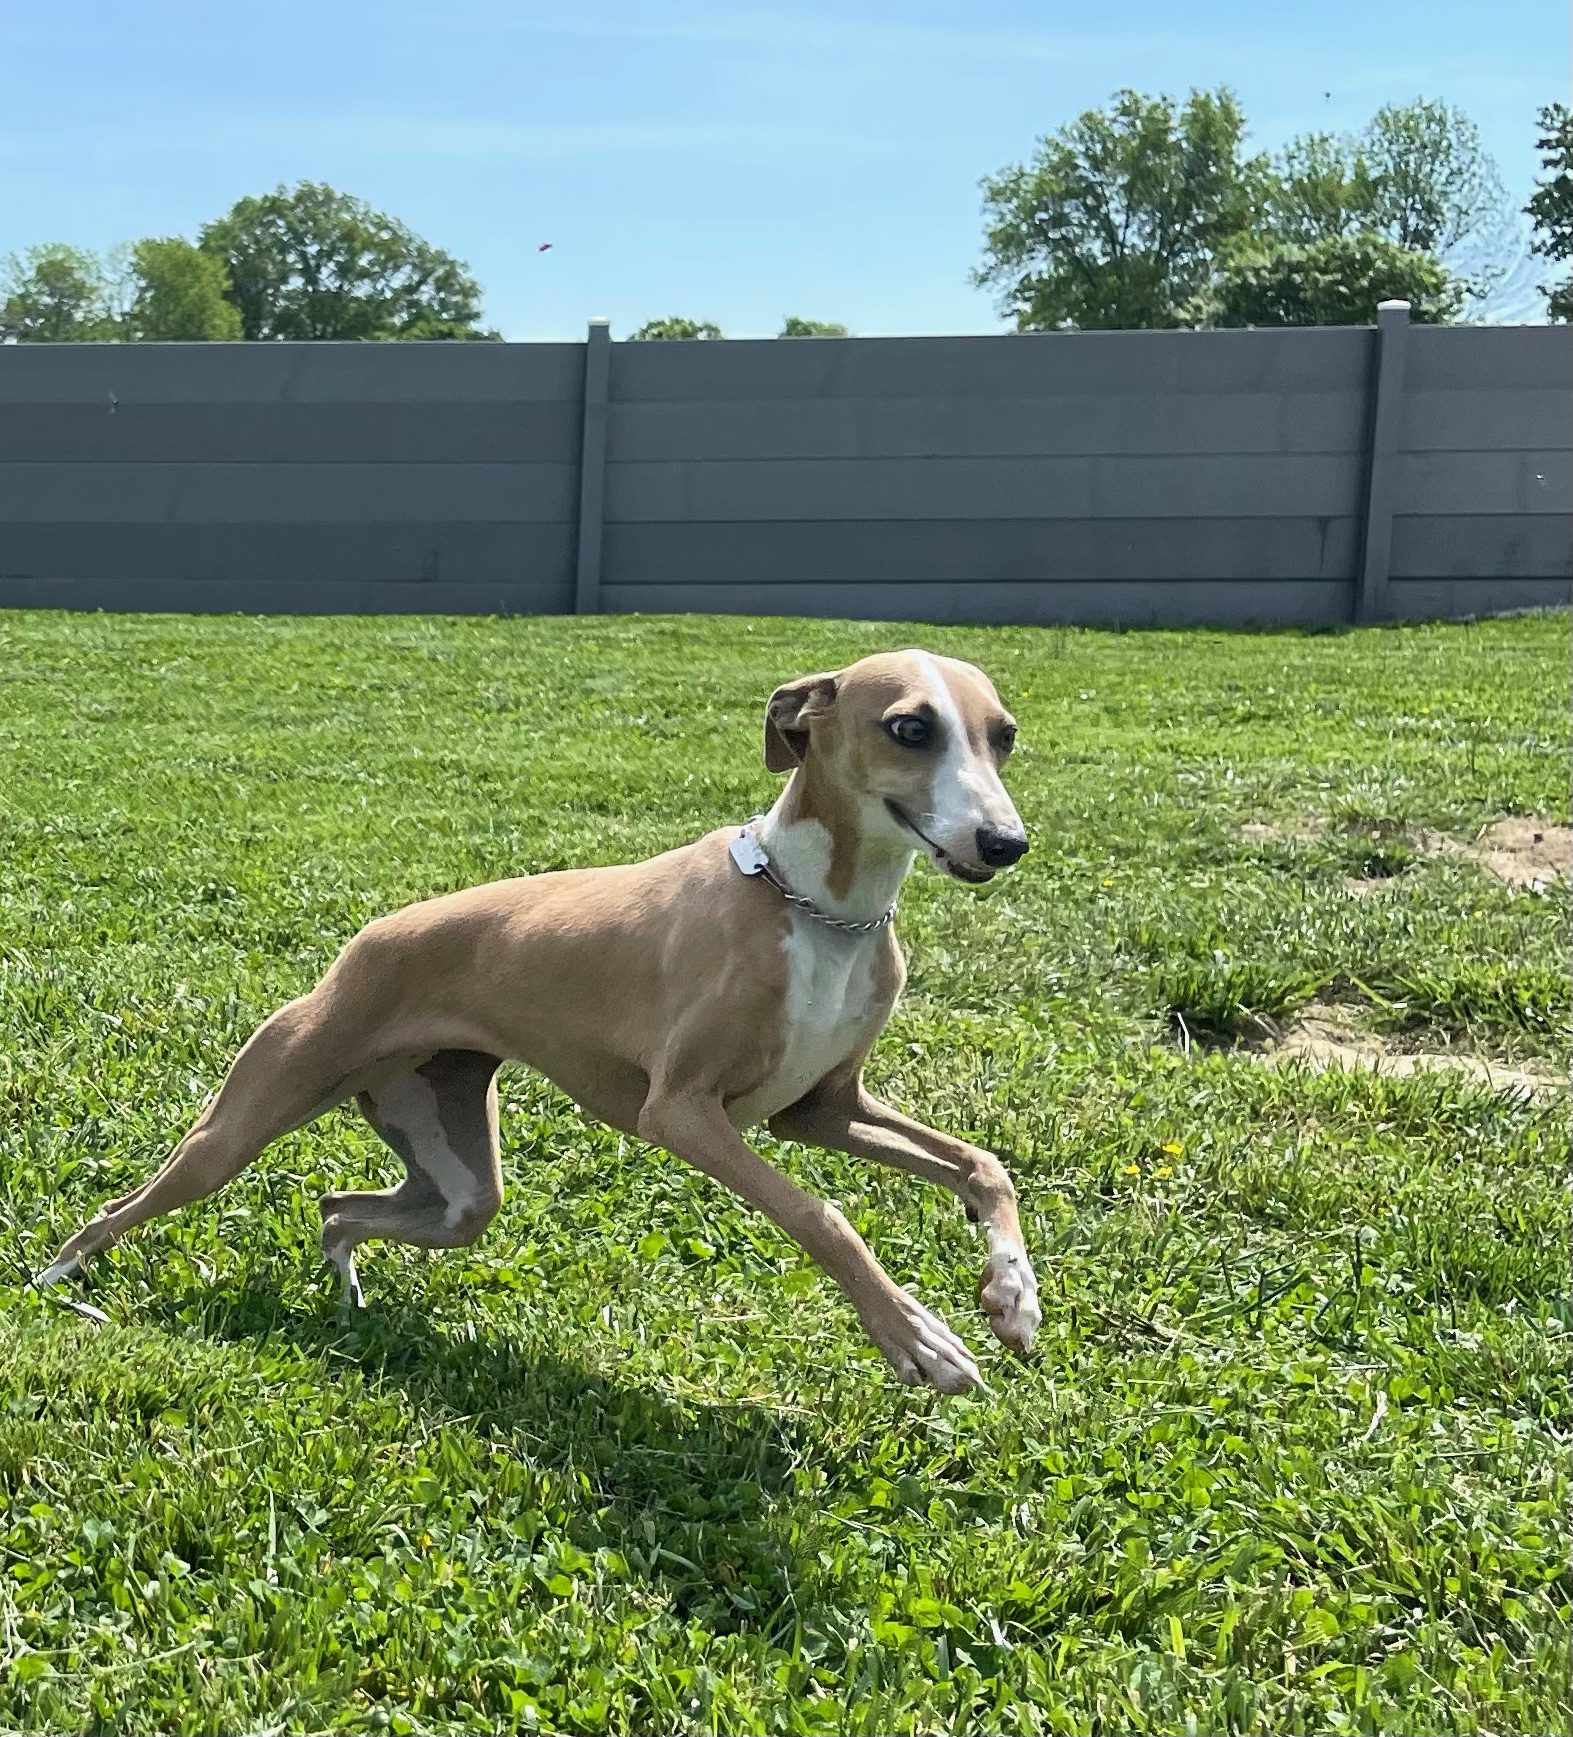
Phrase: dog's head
(915, 743)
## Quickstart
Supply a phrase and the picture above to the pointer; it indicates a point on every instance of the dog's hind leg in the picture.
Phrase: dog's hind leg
(441, 1119)
(294, 1067)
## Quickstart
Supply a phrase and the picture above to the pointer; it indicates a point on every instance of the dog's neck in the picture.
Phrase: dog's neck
(817, 842)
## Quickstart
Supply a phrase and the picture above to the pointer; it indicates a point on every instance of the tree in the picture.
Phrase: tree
(56, 294)
(795, 326)
(1336, 281)
(1551, 207)
(310, 262)
(677, 326)
(1417, 176)
(1320, 187)
(180, 294)
(1119, 217)
(1434, 186)
(446, 331)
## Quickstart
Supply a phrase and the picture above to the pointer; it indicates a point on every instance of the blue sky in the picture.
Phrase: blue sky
(736, 162)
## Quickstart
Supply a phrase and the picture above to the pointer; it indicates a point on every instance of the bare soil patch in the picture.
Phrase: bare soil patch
(1329, 1039)
(1521, 850)
(1274, 832)
(1524, 851)
(1359, 887)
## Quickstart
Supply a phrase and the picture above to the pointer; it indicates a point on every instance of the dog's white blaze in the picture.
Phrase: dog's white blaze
(409, 1104)
(953, 796)
(966, 791)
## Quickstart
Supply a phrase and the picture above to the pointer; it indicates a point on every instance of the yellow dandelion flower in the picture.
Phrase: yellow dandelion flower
(1175, 1148)
(1133, 1169)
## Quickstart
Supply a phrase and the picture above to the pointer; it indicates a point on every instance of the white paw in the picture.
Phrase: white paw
(54, 1274)
(922, 1349)
(1008, 1292)
(344, 1259)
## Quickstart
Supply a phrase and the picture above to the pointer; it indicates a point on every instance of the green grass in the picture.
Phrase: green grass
(1292, 1456)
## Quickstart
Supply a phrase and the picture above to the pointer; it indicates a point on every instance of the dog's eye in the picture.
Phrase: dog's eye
(1005, 738)
(910, 732)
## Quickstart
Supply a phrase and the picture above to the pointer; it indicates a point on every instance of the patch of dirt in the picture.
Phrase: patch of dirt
(1330, 1040)
(1524, 851)
(1269, 832)
(1520, 850)
(1358, 888)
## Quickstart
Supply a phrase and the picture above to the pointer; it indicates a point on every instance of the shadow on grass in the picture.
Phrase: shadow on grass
(687, 1492)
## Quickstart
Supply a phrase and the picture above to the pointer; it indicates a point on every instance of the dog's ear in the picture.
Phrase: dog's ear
(787, 718)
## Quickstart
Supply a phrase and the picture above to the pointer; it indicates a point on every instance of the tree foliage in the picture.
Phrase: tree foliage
(795, 326)
(1551, 207)
(677, 326)
(1433, 185)
(311, 262)
(180, 294)
(306, 262)
(1335, 281)
(1418, 178)
(434, 330)
(55, 294)
(1320, 188)
(1148, 213)
(1118, 218)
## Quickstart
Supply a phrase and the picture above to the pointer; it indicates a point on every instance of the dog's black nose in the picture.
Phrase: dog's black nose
(999, 849)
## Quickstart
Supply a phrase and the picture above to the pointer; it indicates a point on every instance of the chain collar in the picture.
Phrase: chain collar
(748, 854)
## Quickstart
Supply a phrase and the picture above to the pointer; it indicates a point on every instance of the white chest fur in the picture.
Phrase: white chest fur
(831, 1001)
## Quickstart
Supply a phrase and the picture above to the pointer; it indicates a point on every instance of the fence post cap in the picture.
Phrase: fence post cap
(602, 320)
(1397, 305)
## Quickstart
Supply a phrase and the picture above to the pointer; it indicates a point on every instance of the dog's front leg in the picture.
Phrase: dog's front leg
(843, 1115)
(919, 1346)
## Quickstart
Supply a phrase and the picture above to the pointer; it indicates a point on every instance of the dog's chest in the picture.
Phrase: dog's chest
(837, 996)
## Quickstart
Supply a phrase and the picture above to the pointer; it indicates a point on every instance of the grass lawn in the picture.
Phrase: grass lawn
(1292, 1455)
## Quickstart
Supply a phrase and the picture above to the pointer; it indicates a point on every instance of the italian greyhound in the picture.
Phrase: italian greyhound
(738, 980)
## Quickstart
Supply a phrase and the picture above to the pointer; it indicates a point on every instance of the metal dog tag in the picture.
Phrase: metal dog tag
(748, 854)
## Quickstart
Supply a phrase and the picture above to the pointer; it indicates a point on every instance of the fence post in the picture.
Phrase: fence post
(592, 467)
(1389, 343)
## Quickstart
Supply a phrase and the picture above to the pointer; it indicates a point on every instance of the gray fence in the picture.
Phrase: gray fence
(1310, 477)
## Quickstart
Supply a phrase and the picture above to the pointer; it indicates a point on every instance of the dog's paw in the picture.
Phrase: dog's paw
(1008, 1293)
(922, 1349)
(342, 1255)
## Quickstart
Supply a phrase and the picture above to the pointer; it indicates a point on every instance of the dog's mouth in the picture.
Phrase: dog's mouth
(942, 859)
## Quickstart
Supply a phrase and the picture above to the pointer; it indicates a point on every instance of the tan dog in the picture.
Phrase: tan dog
(738, 980)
